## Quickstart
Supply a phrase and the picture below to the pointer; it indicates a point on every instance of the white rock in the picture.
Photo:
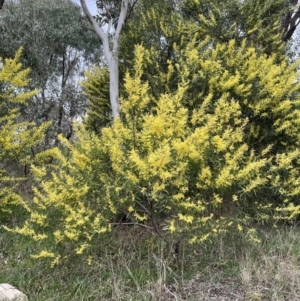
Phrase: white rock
(10, 293)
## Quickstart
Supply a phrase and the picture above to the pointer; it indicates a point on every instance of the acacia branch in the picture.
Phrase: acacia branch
(154, 224)
(107, 10)
(132, 224)
(130, 10)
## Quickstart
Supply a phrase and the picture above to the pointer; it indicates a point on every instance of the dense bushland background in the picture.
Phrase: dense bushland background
(191, 193)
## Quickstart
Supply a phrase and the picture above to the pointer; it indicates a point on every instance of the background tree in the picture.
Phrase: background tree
(108, 27)
(257, 21)
(58, 45)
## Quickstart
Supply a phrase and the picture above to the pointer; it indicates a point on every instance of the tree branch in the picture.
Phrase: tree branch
(290, 23)
(1, 3)
(93, 22)
(99, 31)
(107, 10)
(154, 224)
(130, 10)
(122, 17)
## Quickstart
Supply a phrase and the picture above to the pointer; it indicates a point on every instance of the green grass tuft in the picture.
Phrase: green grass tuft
(140, 267)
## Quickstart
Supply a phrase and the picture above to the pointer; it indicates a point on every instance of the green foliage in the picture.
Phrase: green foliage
(230, 266)
(44, 28)
(96, 89)
(157, 26)
(256, 21)
(16, 138)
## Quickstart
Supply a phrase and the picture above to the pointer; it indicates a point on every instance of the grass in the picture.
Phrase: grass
(229, 268)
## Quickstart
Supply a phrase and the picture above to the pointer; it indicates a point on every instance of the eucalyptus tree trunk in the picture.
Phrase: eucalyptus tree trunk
(111, 53)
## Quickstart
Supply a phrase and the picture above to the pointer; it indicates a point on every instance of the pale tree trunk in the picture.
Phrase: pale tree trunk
(111, 55)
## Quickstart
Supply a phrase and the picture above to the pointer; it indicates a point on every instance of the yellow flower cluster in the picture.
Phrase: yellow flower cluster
(16, 138)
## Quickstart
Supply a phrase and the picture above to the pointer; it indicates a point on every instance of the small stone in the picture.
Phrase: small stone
(10, 293)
